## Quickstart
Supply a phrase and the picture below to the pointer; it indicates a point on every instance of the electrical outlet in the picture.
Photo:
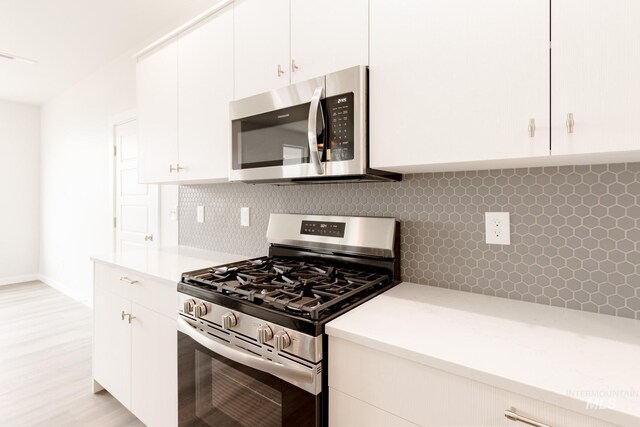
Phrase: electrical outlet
(244, 217)
(497, 228)
(200, 214)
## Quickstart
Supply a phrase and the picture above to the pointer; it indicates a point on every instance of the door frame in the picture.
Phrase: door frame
(115, 121)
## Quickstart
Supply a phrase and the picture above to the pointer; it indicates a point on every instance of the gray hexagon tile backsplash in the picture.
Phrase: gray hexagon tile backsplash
(575, 230)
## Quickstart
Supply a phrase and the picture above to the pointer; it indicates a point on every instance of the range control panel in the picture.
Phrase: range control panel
(340, 125)
(323, 228)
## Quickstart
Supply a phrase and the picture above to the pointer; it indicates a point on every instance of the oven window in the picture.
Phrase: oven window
(240, 399)
(217, 392)
(277, 138)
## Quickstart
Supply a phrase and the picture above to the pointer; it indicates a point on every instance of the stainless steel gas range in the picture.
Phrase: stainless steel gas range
(251, 343)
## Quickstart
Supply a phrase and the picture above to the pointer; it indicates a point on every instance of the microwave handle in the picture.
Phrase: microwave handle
(312, 133)
(287, 373)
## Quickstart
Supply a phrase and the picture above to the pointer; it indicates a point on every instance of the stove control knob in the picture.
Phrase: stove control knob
(188, 305)
(282, 340)
(229, 320)
(264, 334)
(200, 310)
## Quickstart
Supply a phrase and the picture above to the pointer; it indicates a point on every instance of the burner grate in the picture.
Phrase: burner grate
(306, 288)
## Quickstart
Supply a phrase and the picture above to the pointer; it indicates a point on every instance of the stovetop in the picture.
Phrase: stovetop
(312, 289)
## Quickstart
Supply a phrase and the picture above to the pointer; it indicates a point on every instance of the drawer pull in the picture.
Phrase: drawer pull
(513, 416)
(127, 280)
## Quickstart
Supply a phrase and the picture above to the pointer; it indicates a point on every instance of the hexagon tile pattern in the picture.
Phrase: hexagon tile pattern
(575, 230)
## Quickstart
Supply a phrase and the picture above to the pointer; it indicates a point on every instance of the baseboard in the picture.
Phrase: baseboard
(65, 290)
(18, 279)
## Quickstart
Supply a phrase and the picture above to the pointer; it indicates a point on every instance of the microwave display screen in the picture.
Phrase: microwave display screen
(323, 228)
(340, 124)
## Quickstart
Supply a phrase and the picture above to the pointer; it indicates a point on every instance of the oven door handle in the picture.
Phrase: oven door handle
(312, 130)
(287, 373)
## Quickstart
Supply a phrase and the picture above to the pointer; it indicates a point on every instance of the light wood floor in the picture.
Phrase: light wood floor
(45, 362)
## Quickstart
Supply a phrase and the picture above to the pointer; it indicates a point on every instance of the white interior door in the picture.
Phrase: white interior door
(136, 205)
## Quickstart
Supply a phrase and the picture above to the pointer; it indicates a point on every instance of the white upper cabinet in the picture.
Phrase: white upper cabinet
(328, 36)
(184, 89)
(261, 37)
(205, 87)
(596, 76)
(458, 81)
(278, 42)
(157, 93)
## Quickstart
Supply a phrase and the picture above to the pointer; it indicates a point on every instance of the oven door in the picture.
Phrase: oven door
(217, 388)
(279, 134)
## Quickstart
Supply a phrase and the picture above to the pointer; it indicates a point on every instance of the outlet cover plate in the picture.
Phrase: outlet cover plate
(244, 217)
(497, 228)
(200, 214)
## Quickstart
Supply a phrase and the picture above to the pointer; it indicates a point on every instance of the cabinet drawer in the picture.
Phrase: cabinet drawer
(428, 396)
(156, 295)
(347, 411)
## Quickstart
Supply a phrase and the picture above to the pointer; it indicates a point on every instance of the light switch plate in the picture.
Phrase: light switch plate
(244, 217)
(200, 214)
(497, 228)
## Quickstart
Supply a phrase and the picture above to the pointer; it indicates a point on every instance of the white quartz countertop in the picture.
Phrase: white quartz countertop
(167, 263)
(563, 357)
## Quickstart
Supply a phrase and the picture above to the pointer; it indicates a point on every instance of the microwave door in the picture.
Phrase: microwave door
(279, 135)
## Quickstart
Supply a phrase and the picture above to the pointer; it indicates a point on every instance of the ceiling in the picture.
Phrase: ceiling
(70, 39)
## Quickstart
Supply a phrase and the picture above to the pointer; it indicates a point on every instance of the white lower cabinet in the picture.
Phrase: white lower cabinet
(380, 387)
(112, 344)
(135, 346)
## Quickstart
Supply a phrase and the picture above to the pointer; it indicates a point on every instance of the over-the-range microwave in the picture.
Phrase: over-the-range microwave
(312, 131)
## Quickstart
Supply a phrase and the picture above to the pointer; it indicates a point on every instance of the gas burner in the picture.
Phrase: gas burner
(301, 287)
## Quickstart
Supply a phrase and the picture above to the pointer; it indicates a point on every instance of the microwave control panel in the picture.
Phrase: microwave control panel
(340, 125)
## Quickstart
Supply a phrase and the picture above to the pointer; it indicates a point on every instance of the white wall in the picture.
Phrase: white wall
(75, 180)
(19, 192)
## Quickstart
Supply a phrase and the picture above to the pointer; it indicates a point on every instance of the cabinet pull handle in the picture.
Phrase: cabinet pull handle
(532, 128)
(570, 123)
(122, 315)
(177, 168)
(130, 317)
(294, 67)
(148, 238)
(511, 414)
(280, 70)
(127, 280)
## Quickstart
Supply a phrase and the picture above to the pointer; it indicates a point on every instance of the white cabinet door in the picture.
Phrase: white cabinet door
(595, 73)
(157, 93)
(154, 376)
(457, 81)
(328, 37)
(112, 344)
(261, 38)
(205, 87)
